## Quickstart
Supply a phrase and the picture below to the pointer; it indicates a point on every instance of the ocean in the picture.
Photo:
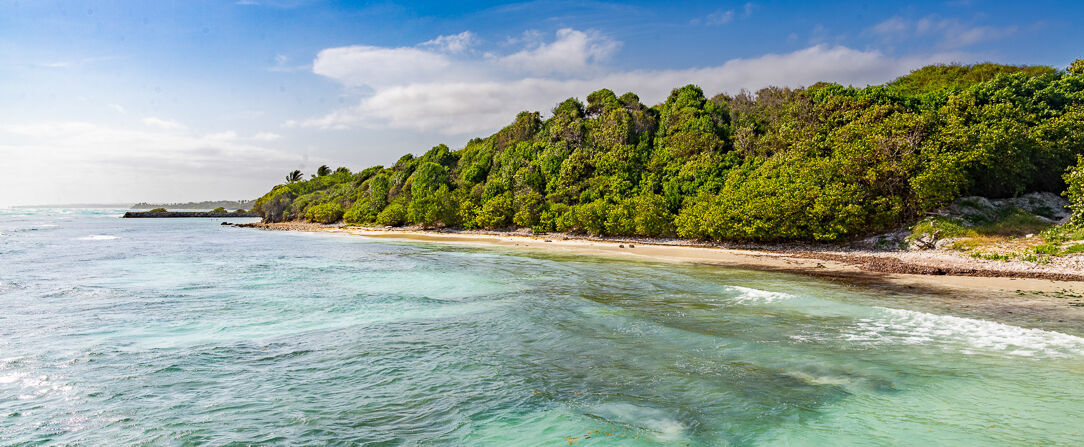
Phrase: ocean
(186, 332)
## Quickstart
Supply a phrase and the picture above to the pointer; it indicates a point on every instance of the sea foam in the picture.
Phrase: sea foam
(748, 295)
(899, 326)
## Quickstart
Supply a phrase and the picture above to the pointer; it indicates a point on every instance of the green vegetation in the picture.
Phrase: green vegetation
(158, 210)
(294, 176)
(205, 205)
(827, 162)
(1074, 178)
(324, 213)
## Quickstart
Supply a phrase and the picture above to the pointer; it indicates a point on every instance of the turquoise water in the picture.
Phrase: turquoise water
(185, 332)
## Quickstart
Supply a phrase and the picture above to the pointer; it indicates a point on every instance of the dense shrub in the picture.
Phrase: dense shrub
(324, 213)
(392, 215)
(1074, 177)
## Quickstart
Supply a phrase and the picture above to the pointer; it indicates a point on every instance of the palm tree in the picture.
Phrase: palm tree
(293, 177)
(322, 171)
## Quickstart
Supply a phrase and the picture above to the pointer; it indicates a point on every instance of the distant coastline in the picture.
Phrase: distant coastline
(184, 214)
(205, 205)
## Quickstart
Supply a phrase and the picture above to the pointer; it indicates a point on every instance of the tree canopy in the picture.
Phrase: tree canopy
(826, 162)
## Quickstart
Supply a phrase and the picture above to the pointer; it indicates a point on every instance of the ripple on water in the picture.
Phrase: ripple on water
(184, 332)
(98, 237)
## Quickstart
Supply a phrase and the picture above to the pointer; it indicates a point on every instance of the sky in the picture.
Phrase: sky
(188, 100)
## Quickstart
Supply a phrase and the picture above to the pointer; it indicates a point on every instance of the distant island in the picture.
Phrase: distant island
(825, 163)
(163, 213)
(206, 205)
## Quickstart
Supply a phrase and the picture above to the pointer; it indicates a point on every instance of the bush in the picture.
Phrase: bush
(496, 212)
(1074, 179)
(158, 210)
(324, 213)
(393, 215)
(361, 212)
(219, 210)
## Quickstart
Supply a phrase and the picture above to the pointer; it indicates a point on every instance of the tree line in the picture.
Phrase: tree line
(825, 162)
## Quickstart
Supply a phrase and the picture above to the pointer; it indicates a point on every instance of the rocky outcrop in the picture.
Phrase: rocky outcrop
(1046, 205)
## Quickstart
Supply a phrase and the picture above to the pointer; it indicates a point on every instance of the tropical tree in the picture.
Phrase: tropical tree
(294, 176)
(1077, 67)
(323, 170)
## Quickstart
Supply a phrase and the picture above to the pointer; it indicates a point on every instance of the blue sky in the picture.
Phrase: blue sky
(192, 100)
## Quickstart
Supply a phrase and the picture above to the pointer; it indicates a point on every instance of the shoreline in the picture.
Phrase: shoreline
(910, 270)
(1022, 300)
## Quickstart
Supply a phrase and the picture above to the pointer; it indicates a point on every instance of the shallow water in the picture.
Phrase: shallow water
(182, 331)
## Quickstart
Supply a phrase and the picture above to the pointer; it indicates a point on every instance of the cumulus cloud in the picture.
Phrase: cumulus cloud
(572, 52)
(477, 95)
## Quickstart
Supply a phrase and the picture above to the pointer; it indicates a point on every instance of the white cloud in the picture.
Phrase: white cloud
(89, 162)
(377, 66)
(266, 136)
(573, 52)
(162, 124)
(455, 43)
(950, 33)
(749, 7)
(457, 105)
(228, 135)
(118, 108)
(961, 36)
(719, 18)
(892, 27)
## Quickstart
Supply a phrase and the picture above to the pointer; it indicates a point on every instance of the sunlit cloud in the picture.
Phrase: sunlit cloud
(420, 89)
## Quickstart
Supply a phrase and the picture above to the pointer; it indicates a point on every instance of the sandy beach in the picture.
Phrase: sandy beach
(927, 269)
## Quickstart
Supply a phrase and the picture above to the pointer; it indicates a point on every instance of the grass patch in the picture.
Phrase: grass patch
(1073, 249)
(942, 226)
(1014, 222)
(1036, 259)
(992, 256)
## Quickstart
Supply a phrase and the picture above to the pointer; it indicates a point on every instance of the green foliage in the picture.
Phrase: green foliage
(495, 213)
(294, 176)
(934, 78)
(825, 163)
(324, 213)
(158, 210)
(392, 215)
(1074, 178)
(219, 210)
(1077, 67)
